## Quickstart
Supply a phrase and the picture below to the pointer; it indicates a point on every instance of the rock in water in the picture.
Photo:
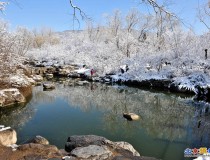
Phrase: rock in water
(48, 86)
(125, 146)
(38, 140)
(131, 116)
(8, 137)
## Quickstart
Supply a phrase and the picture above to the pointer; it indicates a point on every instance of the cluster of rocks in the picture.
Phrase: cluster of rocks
(49, 70)
(53, 68)
(18, 88)
(97, 147)
(89, 147)
(10, 96)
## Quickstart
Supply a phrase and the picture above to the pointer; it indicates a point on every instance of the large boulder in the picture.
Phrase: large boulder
(8, 137)
(83, 141)
(10, 96)
(93, 152)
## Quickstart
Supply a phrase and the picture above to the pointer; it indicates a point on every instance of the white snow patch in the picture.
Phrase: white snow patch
(19, 80)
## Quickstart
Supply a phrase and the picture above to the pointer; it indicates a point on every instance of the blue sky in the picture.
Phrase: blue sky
(57, 13)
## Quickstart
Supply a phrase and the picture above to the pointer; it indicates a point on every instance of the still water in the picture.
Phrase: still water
(168, 124)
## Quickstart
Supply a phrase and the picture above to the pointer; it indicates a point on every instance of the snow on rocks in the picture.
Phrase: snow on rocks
(37, 78)
(192, 83)
(31, 80)
(84, 71)
(19, 81)
(8, 136)
(10, 96)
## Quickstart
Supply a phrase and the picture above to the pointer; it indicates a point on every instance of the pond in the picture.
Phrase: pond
(168, 123)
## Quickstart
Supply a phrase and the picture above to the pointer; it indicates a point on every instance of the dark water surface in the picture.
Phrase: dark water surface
(168, 124)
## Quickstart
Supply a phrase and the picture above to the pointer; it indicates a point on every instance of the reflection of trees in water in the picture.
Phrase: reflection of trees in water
(17, 115)
(162, 115)
(201, 127)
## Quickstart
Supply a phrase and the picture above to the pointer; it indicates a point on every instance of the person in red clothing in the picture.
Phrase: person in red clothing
(92, 72)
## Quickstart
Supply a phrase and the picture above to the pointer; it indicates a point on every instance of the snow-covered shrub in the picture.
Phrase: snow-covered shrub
(44, 36)
(13, 47)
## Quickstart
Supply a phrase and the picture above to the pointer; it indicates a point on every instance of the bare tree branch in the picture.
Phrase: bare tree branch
(3, 6)
(81, 12)
(204, 14)
(160, 8)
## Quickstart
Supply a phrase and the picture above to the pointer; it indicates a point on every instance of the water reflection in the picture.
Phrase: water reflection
(164, 116)
(168, 124)
(17, 115)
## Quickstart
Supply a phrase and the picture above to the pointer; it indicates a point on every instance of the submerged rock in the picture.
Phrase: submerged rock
(8, 137)
(131, 116)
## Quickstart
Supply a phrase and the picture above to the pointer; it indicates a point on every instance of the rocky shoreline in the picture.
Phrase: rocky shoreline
(199, 92)
(19, 86)
(90, 147)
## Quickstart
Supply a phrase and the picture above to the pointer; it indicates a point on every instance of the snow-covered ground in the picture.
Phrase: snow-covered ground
(184, 62)
(177, 54)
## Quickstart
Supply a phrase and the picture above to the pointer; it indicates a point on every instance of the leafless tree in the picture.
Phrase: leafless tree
(204, 13)
(115, 25)
(132, 20)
